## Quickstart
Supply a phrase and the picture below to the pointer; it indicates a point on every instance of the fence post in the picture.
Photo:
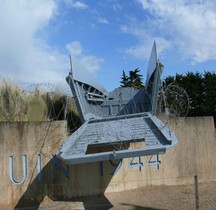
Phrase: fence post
(196, 192)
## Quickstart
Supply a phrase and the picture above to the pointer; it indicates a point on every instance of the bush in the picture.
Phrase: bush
(18, 105)
(37, 108)
(62, 107)
(13, 105)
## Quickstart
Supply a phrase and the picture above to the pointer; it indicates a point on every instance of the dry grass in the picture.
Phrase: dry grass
(13, 105)
(19, 105)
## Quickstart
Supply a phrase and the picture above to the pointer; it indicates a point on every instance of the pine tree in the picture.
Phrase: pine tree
(133, 80)
(124, 80)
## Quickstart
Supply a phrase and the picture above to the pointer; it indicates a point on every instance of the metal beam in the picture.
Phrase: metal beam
(114, 155)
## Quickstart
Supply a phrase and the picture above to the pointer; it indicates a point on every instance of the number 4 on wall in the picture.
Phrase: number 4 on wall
(150, 162)
(156, 162)
(136, 164)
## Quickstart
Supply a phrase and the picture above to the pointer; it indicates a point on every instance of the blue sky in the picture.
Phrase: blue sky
(104, 37)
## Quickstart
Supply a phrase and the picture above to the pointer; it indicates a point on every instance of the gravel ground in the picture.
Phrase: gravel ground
(165, 197)
(151, 198)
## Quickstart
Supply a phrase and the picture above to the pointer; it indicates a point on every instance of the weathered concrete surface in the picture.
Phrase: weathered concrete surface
(195, 154)
(30, 139)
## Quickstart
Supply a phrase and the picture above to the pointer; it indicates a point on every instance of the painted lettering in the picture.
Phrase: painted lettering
(56, 162)
(21, 181)
(39, 168)
(156, 162)
(117, 165)
(66, 170)
(136, 164)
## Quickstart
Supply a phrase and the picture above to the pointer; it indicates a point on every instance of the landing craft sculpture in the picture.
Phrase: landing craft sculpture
(113, 121)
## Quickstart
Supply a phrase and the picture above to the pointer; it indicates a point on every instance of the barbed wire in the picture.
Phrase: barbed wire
(173, 97)
(173, 102)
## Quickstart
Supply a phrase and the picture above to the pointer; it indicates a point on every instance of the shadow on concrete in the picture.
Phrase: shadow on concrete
(67, 184)
(135, 207)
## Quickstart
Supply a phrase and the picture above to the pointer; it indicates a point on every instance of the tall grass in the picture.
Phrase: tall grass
(62, 107)
(19, 105)
(13, 104)
(37, 108)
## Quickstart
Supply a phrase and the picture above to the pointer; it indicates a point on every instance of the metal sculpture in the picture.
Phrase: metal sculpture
(113, 121)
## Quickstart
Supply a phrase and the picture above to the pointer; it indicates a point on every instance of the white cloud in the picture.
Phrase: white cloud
(24, 57)
(90, 62)
(75, 48)
(102, 20)
(146, 39)
(79, 5)
(76, 4)
(142, 50)
(189, 27)
(117, 7)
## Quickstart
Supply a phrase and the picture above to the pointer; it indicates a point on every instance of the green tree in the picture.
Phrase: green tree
(133, 80)
(193, 84)
(209, 93)
(201, 90)
(124, 79)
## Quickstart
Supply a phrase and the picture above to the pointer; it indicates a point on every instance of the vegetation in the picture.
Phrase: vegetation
(201, 89)
(13, 103)
(18, 105)
(134, 79)
(37, 109)
(62, 107)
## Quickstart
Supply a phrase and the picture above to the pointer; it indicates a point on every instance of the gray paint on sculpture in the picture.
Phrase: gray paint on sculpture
(120, 117)
(155, 69)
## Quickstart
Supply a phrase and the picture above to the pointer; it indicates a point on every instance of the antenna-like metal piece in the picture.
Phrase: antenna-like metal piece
(71, 67)
(154, 72)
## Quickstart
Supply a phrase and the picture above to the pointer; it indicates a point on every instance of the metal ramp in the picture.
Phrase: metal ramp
(118, 133)
(112, 123)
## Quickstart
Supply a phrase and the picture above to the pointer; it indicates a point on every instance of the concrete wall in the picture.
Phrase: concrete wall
(194, 155)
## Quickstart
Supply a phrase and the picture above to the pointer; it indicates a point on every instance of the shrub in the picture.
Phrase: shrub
(18, 105)
(13, 105)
